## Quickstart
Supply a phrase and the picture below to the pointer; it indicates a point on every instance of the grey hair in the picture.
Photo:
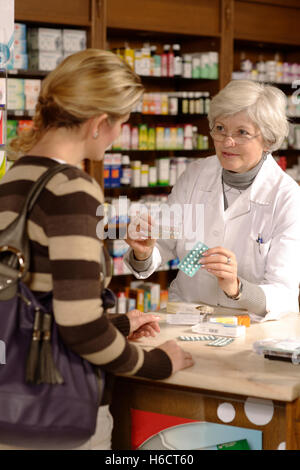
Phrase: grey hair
(264, 104)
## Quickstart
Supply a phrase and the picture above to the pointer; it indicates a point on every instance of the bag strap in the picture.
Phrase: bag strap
(14, 239)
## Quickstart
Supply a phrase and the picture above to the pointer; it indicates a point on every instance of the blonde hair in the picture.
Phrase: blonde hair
(264, 104)
(85, 85)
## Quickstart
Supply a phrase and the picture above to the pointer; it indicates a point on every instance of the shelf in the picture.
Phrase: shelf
(177, 79)
(27, 73)
(188, 115)
(132, 189)
(176, 152)
(158, 271)
(20, 114)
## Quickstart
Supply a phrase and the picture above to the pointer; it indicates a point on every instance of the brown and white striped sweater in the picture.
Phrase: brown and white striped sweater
(65, 259)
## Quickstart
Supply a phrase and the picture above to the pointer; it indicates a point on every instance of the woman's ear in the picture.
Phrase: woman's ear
(96, 125)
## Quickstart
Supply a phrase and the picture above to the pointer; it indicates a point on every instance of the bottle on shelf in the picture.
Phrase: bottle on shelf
(122, 302)
(165, 60)
(171, 62)
(125, 171)
(177, 60)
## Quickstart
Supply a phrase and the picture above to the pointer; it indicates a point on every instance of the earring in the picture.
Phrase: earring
(96, 135)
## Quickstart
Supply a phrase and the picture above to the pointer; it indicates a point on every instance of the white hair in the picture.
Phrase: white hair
(264, 104)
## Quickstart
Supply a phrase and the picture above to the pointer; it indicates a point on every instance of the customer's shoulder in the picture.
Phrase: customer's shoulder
(70, 179)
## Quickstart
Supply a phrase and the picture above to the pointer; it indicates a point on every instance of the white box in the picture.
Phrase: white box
(30, 102)
(19, 31)
(15, 86)
(45, 39)
(20, 46)
(20, 61)
(15, 101)
(2, 91)
(219, 329)
(32, 86)
(45, 61)
(73, 40)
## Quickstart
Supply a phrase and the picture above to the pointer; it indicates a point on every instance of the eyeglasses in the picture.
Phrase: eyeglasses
(219, 135)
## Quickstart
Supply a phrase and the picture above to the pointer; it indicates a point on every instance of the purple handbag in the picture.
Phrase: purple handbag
(49, 396)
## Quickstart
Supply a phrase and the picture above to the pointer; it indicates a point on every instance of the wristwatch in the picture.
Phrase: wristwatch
(239, 294)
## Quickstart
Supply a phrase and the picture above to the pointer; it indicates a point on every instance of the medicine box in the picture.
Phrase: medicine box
(32, 86)
(45, 61)
(16, 102)
(45, 40)
(18, 61)
(20, 46)
(219, 329)
(2, 92)
(73, 40)
(20, 31)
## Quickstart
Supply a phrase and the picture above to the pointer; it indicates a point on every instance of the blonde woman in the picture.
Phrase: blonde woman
(250, 211)
(80, 110)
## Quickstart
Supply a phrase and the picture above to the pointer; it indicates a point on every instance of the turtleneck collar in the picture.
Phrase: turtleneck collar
(242, 180)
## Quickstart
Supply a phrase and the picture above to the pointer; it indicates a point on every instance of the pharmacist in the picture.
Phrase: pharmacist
(251, 208)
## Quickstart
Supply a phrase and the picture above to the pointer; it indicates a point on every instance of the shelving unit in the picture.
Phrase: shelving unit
(226, 26)
(263, 30)
(189, 43)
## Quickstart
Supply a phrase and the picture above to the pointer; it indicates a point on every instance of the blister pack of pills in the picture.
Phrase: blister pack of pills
(197, 338)
(221, 342)
(214, 340)
(190, 263)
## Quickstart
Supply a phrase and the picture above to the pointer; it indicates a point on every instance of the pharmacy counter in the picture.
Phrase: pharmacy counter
(257, 393)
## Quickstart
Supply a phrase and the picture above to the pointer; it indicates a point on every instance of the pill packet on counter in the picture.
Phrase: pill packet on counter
(197, 338)
(281, 349)
(190, 263)
(219, 329)
(214, 340)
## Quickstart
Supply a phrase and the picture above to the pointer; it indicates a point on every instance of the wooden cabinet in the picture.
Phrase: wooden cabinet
(227, 26)
(275, 23)
(173, 16)
(69, 12)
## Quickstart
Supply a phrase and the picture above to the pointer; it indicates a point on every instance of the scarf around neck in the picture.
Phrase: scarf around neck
(241, 181)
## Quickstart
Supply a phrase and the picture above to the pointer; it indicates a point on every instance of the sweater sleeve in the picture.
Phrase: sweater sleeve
(74, 252)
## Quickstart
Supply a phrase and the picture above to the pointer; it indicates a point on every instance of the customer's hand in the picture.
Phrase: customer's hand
(139, 238)
(180, 359)
(222, 263)
(142, 324)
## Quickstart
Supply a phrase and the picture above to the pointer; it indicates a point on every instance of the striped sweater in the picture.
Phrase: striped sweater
(65, 259)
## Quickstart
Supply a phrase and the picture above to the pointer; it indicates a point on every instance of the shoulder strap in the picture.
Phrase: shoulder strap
(14, 242)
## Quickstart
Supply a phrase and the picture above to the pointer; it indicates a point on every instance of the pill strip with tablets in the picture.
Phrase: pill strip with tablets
(190, 263)
(221, 342)
(198, 338)
(215, 340)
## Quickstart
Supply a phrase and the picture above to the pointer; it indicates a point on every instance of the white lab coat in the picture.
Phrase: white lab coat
(270, 207)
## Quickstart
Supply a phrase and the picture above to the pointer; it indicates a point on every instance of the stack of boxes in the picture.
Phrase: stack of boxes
(22, 94)
(45, 48)
(19, 59)
(49, 46)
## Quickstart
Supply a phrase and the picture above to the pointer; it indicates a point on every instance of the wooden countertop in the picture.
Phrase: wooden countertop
(236, 368)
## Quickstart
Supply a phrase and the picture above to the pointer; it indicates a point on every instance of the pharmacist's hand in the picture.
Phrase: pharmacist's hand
(140, 232)
(180, 359)
(142, 324)
(222, 263)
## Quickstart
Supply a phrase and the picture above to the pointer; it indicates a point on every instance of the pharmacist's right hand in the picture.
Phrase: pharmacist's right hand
(180, 359)
(140, 232)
